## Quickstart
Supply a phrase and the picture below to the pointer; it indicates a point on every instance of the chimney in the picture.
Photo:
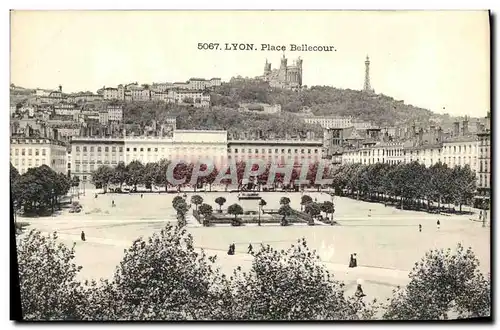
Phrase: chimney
(60, 88)
(432, 130)
(478, 127)
(456, 128)
(439, 134)
(465, 124)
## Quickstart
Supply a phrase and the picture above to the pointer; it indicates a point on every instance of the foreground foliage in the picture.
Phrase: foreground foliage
(165, 277)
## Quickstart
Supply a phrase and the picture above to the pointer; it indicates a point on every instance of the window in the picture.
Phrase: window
(121, 149)
(17, 152)
(236, 150)
(301, 151)
(149, 149)
(128, 149)
(269, 151)
(275, 151)
(249, 151)
(106, 149)
(37, 152)
(308, 151)
(263, 150)
(135, 149)
(156, 149)
(113, 149)
(289, 151)
(315, 151)
(92, 149)
(29, 152)
(243, 151)
(296, 150)
(84, 149)
(77, 149)
(282, 151)
(256, 151)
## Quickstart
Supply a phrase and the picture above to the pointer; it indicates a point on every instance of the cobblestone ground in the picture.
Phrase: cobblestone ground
(386, 240)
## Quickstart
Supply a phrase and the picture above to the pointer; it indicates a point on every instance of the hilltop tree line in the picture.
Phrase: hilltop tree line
(155, 174)
(321, 100)
(411, 184)
(165, 278)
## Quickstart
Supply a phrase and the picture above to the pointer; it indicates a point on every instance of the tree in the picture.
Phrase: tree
(313, 209)
(14, 186)
(443, 284)
(135, 172)
(40, 189)
(290, 285)
(102, 177)
(220, 200)
(120, 174)
(196, 200)
(177, 200)
(207, 211)
(47, 279)
(285, 201)
(150, 171)
(14, 174)
(305, 199)
(163, 278)
(328, 208)
(285, 210)
(181, 208)
(160, 177)
(235, 209)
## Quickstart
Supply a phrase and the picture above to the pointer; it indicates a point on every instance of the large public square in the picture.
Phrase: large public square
(387, 240)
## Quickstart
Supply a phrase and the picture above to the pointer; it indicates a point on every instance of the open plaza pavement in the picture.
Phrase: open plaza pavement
(387, 240)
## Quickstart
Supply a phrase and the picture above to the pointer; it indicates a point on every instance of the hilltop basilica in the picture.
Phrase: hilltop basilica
(287, 76)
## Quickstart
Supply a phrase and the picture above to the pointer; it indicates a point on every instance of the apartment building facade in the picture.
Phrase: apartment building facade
(28, 152)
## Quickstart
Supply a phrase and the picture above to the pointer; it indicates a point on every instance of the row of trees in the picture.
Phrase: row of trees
(409, 183)
(39, 190)
(155, 173)
(164, 278)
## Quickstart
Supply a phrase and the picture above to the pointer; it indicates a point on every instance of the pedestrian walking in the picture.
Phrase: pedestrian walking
(351, 261)
(355, 260)
(250, 248)
(438, 224)
(359, 292)
(82, 236)
(420, 228)
(142, 195)
(113, 203)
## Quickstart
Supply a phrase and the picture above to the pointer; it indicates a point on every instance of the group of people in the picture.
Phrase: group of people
(438, 223)
(232, 248)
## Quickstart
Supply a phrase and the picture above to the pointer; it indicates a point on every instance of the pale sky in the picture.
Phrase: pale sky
(434, 60)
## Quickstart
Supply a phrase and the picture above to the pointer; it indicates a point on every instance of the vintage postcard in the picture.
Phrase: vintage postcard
(250, 165)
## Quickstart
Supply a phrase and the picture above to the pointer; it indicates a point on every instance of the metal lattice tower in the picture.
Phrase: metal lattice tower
(367, 87)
